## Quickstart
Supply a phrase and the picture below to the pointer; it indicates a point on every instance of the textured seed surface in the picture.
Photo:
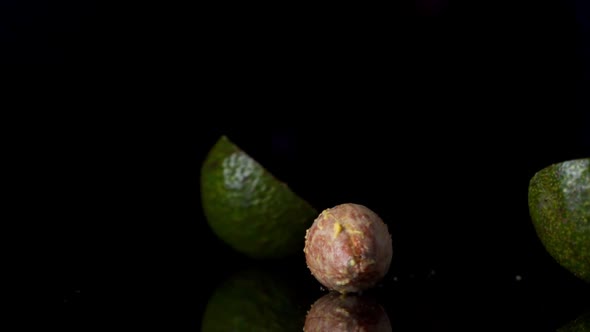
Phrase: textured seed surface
(335, 312)
(348, 248)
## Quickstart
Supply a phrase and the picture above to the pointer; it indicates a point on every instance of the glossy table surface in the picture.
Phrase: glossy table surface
(454, 196)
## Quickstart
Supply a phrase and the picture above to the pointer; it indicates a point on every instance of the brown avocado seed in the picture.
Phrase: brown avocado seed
(348, 248)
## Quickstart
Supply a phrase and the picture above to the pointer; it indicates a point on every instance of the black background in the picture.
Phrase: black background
(435, 121)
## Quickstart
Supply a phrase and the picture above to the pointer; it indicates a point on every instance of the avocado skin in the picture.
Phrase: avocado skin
(559, 206)
(248, 208)
(579, 324)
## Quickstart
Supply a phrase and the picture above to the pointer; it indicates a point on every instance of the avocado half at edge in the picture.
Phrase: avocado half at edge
(559, 206)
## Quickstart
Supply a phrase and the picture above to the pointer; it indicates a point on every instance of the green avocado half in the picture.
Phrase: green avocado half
(559, 206)
(249, 208)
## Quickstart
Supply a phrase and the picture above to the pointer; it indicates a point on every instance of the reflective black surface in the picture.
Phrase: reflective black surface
(440, 299)
(466, 256)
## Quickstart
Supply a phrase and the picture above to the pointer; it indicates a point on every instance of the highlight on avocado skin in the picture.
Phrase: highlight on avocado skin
(559, 206)
(249, 208)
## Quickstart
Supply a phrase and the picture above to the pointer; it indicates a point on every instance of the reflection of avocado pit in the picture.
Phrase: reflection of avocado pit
(338, 312)
(348, 248)
(254, 300)
(580, 324)
(559, 204)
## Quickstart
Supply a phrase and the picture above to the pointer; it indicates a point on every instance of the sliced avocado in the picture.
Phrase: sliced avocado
(250, 209)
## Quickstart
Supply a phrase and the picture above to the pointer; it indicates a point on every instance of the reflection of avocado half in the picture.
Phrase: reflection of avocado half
(559, 204)
(253, 300)
(580, 324)
(248, 208)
